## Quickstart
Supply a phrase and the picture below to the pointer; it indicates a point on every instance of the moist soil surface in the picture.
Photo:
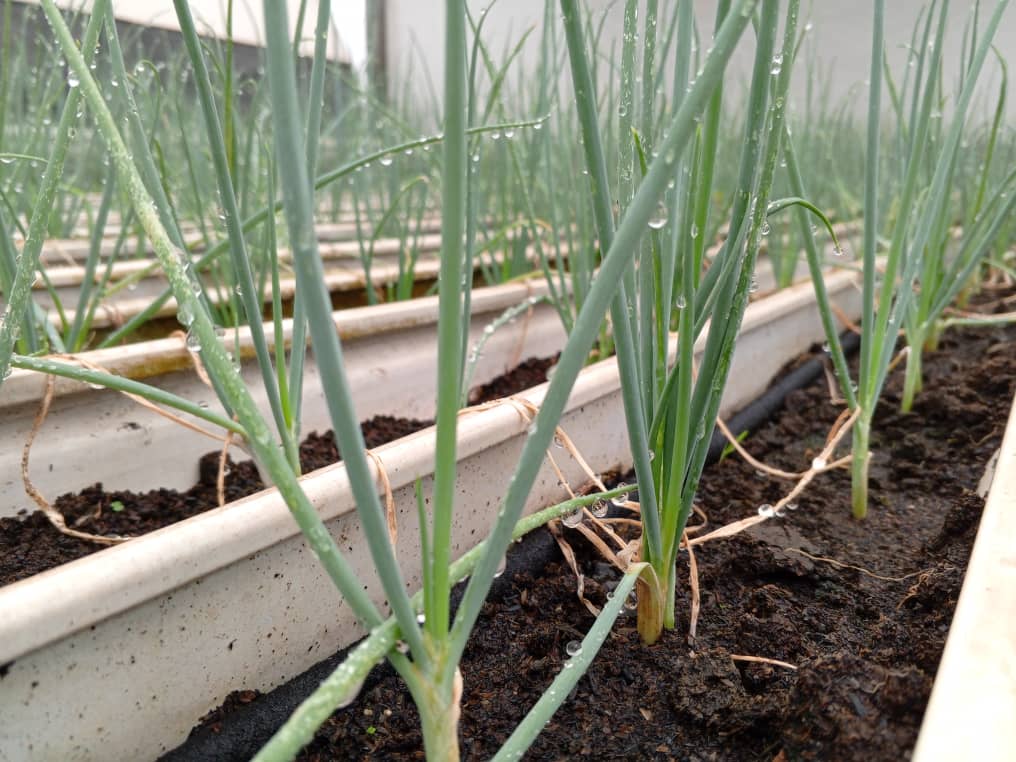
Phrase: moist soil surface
(29, 544)
(859, 609)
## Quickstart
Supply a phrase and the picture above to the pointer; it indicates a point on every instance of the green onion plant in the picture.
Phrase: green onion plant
(952, 256)
(668, 408)
(917, 276)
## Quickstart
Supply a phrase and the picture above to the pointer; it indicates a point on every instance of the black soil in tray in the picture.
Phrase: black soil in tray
(860, 608)
(29, 544)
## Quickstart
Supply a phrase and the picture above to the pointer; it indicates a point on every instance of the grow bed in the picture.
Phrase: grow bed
(29, 543)
(168, 624)
(857, 611)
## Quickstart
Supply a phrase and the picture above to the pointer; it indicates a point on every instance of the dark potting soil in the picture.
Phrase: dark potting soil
(860, 608)
(525, 375)
(29, 544)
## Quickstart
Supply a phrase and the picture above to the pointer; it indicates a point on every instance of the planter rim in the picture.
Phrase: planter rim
(75, 595)
(972, 708)
(145, 359)
(338, 278)
(78, 244)
(68, 274)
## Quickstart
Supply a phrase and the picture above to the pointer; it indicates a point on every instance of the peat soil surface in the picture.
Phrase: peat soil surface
(860, 608)
(29, 543)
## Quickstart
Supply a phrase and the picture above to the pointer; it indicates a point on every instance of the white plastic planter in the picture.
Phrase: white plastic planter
(163, 627)
(344, 272)
(397, 333)
(972, 711)
(389, 354)
(74, 250)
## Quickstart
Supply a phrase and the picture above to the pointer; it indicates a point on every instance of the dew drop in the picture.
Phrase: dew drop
(350, 697)
(619, 501)
(573, 648)
(386, 161)
(766, 511)
(501, 567)
(402, 647)
(777, 66)
(193, 342)
(574, 518)
(421, 619)
(818, 464)
(753, 286)
(600, 508)
(185, 315)
(72, 80)
(659, 219)
(558, 443)
(764, 230)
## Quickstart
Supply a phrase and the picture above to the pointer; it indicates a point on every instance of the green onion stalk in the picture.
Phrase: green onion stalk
(669, 414)
(949, 263)
(920, 215)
